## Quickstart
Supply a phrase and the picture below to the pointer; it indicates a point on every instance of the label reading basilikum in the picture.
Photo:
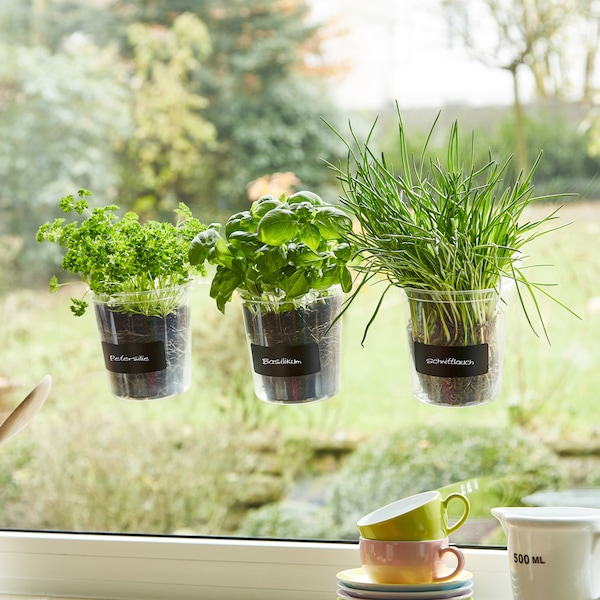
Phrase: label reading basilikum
(451, 361)
(135, 358)
(286, 361)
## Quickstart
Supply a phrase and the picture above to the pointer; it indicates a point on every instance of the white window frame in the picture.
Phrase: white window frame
(111, 567)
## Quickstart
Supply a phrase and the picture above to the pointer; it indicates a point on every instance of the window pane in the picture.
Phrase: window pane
(214, 106)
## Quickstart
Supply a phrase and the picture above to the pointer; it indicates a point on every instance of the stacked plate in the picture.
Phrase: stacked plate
(355, 584)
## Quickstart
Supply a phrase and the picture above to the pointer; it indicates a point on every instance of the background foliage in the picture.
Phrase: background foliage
(414, 460)
(49, 143)
(191, 101)
(82, 106)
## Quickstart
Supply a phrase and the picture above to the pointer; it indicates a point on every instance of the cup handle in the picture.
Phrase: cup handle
(460, 562)
(463, 518)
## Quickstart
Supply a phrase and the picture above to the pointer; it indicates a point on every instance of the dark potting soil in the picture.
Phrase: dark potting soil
(146, 357)
(309, 344)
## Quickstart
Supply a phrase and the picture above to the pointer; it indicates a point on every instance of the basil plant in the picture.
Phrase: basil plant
(280, 249)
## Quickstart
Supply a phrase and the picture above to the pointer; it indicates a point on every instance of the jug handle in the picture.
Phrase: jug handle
(595, 548)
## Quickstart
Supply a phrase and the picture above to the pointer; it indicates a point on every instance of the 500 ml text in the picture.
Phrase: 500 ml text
(525, 559)
(123, 358)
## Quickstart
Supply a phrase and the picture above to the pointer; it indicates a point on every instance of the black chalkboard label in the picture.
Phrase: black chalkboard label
(135, 358)
(286, 361)
(451, 361)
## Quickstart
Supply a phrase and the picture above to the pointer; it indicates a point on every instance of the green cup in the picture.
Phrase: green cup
(415, 518)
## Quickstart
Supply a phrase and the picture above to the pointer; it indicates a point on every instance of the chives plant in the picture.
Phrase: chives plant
(446, 227)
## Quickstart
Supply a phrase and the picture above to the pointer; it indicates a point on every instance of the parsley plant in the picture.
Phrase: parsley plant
(123, 255)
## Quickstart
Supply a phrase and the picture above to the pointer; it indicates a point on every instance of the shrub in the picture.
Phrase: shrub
(570, 162)
(567, 164)
(409, 462)
(288, 521)
(388, 468)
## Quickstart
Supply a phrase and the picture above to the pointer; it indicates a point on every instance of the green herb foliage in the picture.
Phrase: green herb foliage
(434, 226)
(279, 250)
(123, 255)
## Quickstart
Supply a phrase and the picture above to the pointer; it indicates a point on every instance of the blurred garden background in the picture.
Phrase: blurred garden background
(149, 103)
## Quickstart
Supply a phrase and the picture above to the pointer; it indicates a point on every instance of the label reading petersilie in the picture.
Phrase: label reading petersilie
(286, 361)
(134, 358)
(451, 361)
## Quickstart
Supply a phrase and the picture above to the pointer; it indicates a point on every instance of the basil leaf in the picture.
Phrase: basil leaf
(252, 283)
(277, 227)
(222, 254)
(263, 205)
(310, 235)
(333, 223)
(296, 285)
(345, 279)
(242, 221)
(202, 246)
(223, 285)
(304, 255)
(270, 259)
(343, 252)
(245, 241)
(328, 277)
(303, 211)
(305, 196)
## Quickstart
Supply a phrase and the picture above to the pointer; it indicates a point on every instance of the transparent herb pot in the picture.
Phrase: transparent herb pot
(456, 343)
(294, 346)
(146, 342)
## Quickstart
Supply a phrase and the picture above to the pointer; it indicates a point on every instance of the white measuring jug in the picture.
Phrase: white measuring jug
(553, 552)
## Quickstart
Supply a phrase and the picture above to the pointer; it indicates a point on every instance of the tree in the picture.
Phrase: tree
(61, 118)
(588, 13)
(512, 35)
(257, 87)
(264, 100)
(171, 137)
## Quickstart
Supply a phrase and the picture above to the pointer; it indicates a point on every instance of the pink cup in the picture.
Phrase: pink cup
(409, 562)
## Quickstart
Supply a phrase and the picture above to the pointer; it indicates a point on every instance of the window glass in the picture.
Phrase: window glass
(215, 104)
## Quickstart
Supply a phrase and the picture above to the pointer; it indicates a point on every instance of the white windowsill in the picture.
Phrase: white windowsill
(148, 568)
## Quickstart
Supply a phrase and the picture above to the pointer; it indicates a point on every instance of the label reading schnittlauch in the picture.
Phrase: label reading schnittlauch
(451, 361)
(286, 361)
(135, 358)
